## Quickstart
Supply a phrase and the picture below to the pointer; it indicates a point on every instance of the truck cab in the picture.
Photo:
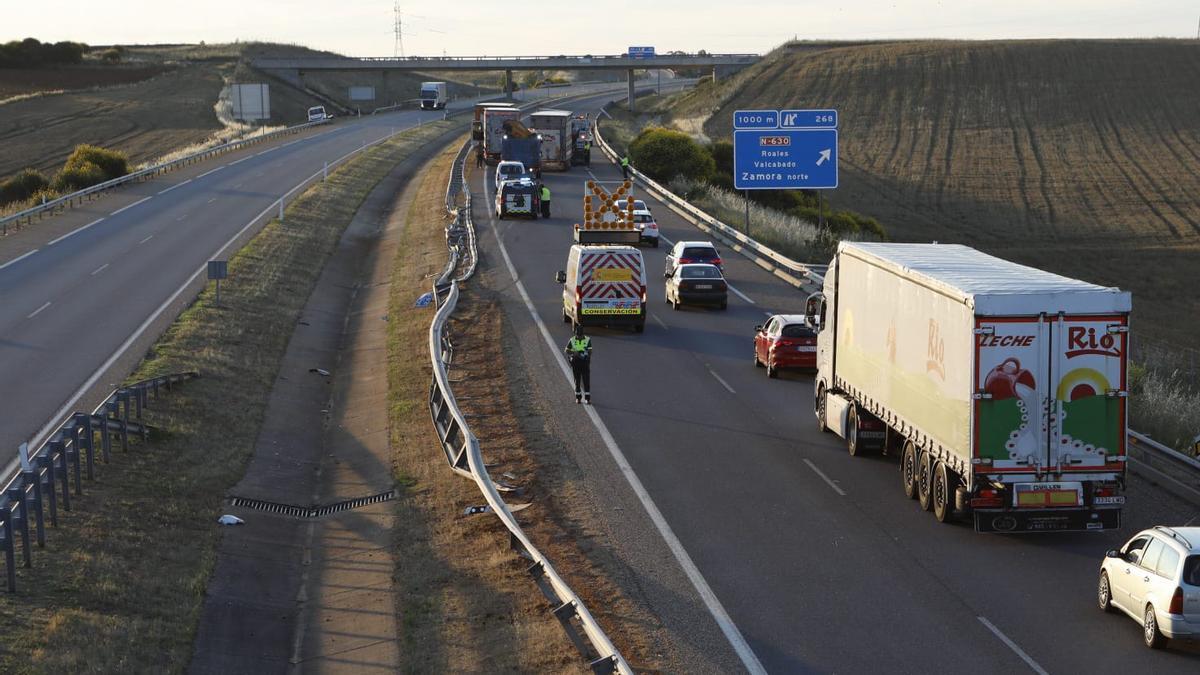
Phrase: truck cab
(433, 95)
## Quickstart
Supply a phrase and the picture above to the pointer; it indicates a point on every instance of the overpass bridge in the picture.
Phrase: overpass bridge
(293, 69)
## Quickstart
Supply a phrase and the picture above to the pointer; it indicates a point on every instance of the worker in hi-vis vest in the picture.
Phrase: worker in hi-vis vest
(579, 354)
(625, 166)
(545, 201)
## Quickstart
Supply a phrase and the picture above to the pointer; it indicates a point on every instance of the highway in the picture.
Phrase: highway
(83, 294)
(816, 556)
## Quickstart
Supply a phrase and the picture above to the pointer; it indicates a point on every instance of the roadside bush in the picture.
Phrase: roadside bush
(114, 164)
(111, 55)
(664, 154)
(33, 53)
(78, 176)
(22, 186)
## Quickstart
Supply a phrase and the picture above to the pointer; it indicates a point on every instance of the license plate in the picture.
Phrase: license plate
(806, 348)
(1119, 499)
(1047, 495)
(703, 287)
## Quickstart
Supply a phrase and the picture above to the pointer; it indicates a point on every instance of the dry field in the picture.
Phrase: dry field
(1081, 157)
(19, 81)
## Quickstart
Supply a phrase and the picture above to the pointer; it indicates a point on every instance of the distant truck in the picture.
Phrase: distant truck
(554, 128)
(493, 130)
(581, 140)
(477, 123)
(1001, 387)
(433, 95)
(521, 144)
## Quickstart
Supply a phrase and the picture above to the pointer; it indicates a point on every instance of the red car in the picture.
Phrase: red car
(785, 341)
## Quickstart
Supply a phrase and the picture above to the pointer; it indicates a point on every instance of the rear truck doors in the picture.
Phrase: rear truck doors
(1050, 394)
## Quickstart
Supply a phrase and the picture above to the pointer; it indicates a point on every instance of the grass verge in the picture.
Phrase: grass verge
(121, 583)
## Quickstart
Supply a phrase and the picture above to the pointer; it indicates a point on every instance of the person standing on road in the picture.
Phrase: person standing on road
(545, 201)
(625, 165)
(587, 152)
(579, 354)
(478, 156)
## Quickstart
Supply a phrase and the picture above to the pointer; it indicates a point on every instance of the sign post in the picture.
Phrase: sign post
(218, 270)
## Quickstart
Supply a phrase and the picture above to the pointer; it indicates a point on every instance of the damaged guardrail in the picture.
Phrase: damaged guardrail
(466, 458)
(65, 458)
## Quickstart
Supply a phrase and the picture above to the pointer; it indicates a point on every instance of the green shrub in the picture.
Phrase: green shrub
(664, 154)
(114, 164)
(22, 186)
(78, 176)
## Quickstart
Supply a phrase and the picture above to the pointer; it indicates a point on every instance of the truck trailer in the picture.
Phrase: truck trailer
(554, 128)
(493, 130)
(1001, 387)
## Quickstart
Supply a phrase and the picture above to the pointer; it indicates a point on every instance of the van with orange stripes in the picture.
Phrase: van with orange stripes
(604, 285)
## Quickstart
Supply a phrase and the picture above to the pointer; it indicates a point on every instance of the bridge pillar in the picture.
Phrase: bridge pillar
(508, 83)
(630, 74)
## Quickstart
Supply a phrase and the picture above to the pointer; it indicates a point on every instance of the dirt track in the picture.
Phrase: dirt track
(1082, 157)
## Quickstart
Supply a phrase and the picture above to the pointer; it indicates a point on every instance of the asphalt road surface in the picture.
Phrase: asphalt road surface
(816, 556)
(83, 294)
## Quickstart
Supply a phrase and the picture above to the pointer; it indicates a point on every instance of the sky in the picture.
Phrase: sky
(536, 27)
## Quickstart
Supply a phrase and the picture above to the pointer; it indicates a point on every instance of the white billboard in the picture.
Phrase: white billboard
(362, 93)
(251, 101)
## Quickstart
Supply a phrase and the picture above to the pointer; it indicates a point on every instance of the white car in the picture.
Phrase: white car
(685, 252)
(1155, 579)
(508, 170)
(638, 205)
(647, 227)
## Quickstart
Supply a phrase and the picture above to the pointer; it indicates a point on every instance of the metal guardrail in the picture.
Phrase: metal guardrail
(1161, 463)
(466, 458)
(65, 458)
(66, 201)
(767, 257)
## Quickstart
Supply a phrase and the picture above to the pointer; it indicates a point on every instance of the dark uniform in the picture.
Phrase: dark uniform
(579, 354)
(625, 166)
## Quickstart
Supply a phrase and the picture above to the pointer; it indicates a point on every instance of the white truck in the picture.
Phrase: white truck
(493, 130)
(1001, 387)
(433, 95)
(554, 126)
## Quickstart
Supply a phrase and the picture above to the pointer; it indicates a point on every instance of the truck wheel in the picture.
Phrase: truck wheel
(1104, 593)
(942, 493)
(656, 242)
(639, 327)
(924, 478)
(772, 371)
(908, 469)
(822, 404)
(852, 432)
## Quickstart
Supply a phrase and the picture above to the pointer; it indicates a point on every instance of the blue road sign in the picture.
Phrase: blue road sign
(756, 119)
(785, 159)
(808, 119)
(641, 52)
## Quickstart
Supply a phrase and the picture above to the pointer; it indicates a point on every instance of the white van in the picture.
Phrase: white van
(317, 114)
(604, 286)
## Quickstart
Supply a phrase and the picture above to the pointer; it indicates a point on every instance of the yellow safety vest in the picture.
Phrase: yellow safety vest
(577, 345)
(545, 194)
(624, 161)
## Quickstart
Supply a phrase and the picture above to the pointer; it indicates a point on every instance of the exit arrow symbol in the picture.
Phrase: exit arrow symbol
(824, 156)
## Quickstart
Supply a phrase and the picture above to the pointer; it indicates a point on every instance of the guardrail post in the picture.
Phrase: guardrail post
(58, 458)
(73, 454)
(123, 402)
(18, 494)
(105, 439)
(89, 444)
(42, 491)
(39, 521)
(281, 208)
(10, 556)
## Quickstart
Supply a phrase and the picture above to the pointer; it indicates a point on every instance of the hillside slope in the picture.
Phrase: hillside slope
(1081, 157)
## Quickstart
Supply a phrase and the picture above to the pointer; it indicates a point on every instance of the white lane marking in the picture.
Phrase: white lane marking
(266, 151)
(163, 192)
(126, 208)
(99, 269)
(238, 186)
(75, 231)
(768, 314)
(1033, 665)
(37, 311)
(146, 239)
(825, 478)
(211, 171)
(293, 142)
(721, 380)
(211, 200)
(19, 258)
(239, 161)
(181, 217)
(660, 321)
(715, 608)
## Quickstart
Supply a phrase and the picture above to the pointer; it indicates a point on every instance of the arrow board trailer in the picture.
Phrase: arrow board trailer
(493, 130)
(1003, 388)
(556, 148)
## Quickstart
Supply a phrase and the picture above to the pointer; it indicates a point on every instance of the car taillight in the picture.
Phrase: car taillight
(716, 261)
(685, 261)
(987, 497)
(643, 287)
(1104, 491)
(1176, 601)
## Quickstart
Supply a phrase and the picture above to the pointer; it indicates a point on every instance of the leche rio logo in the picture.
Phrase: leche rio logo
(1083, 341)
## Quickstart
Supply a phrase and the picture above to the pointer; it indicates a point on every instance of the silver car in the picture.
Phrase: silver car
(1155, 579)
